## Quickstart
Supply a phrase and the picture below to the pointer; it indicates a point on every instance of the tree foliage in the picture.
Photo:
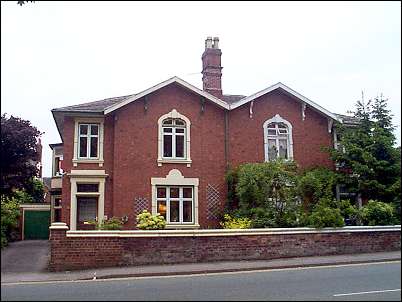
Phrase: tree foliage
(19, 153)
(9, 217)
(369, 159)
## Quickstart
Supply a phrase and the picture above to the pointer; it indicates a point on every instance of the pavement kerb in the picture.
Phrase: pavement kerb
(200, 272)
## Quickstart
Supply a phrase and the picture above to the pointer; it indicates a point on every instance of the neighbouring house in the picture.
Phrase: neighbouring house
(166, 149)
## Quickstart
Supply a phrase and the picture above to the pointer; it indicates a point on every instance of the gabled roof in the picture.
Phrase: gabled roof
(290, 91)
(176, 80)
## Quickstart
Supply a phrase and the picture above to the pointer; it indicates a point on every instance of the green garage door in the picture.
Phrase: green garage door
(36, 224)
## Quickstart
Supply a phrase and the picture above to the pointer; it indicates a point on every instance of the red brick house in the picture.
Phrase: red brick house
(166, 149)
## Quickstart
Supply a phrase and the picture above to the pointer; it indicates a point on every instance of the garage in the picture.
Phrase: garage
(35, 221)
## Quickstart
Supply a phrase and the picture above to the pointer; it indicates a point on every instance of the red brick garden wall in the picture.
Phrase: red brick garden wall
(69, 253)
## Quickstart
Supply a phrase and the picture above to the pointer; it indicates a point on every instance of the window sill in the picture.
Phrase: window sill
(87, 161)
(182, 226)
(174, 161)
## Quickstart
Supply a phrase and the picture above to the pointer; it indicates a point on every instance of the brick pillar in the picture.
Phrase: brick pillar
(57, 245)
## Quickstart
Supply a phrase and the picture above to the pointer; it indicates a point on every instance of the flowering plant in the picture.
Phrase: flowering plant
(146, 221)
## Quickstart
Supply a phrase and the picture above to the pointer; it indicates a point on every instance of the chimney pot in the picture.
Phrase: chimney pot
(208, 42)
(216, 42)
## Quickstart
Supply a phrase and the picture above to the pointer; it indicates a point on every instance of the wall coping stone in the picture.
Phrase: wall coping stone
(58, 226)
(224, 232)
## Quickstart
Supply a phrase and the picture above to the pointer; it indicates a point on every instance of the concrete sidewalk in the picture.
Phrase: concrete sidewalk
(196, 268)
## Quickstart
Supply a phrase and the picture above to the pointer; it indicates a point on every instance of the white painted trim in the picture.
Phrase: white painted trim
(86, 176)
(290, 91)
(175, 178)
(58, 226)
(278, 119)
(174, 114)
(89, 120)
(232, 232)
(163, 84)
(26, 206)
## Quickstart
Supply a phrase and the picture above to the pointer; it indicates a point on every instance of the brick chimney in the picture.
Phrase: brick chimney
(211, 67)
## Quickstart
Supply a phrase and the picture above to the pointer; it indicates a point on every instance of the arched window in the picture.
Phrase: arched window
(278, 141)
(174, 139)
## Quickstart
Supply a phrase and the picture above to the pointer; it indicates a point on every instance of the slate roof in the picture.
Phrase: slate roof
(232, 98)
(96, 106)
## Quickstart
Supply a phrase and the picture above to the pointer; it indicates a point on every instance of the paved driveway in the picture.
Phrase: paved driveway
(27, 256)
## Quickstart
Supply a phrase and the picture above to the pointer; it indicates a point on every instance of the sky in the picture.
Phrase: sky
(56, 54)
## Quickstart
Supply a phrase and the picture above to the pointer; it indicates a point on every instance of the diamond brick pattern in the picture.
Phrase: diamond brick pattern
(213, 201)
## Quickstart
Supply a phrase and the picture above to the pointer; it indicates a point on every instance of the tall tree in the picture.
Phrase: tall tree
(370, 162)
(19, 153)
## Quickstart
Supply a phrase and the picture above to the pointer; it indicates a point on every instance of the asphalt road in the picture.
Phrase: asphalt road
(375, 281)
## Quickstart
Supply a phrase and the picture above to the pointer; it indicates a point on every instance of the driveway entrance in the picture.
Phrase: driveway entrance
(27, 256)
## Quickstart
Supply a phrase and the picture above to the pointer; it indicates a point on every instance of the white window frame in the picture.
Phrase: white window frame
(174, 135)
(180, 199)
(278, 119)
(86, 121)
(88, 137)
(176, 179)
(86, 176)
(181, 160)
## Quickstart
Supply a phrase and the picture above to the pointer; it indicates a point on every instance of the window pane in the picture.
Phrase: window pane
(162, 208)
(187, 211)
(282, 126)
(83, 147)
(179, 146)
(179, 122)
(187, 192)
(161, 192)
(179, 130)
(57, 202)
(57, 215)
(271, 132)
(87, 187)
(84, 129)
(174, 211)
(86, 208)
(174, 192)
(271, 149)
(168, 122)
(94, 147)
(283, 131)
(283, 148)
(167, 146)
(94, 129)
(167, 130)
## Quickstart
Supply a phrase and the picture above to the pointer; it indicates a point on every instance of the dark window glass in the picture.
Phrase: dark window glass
(84, 129)
(174, 211)
(179, 146)
(187, 211)
(57, 202)
(179, 130)
(187, 192)
(86, 208)
(94, 147)
(179, 122)
(94, 129)
(161, 192)
(168, 122)
(83, 147)
(57, 215)
(87, 187)
(167, 130)
(56, 165)
(162, 208)
(167, 146)
(174, 192)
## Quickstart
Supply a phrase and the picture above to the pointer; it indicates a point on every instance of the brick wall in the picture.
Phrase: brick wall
(69, 253)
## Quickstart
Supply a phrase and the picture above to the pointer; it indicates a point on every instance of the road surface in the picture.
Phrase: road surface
(373, 281)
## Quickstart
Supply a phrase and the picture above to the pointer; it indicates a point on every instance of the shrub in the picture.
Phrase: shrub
(9, 217)
(113, 223)
(235, 222)
(349, 212)
(377, 213)
(316, 184)
(146, 221)
(325, 216)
